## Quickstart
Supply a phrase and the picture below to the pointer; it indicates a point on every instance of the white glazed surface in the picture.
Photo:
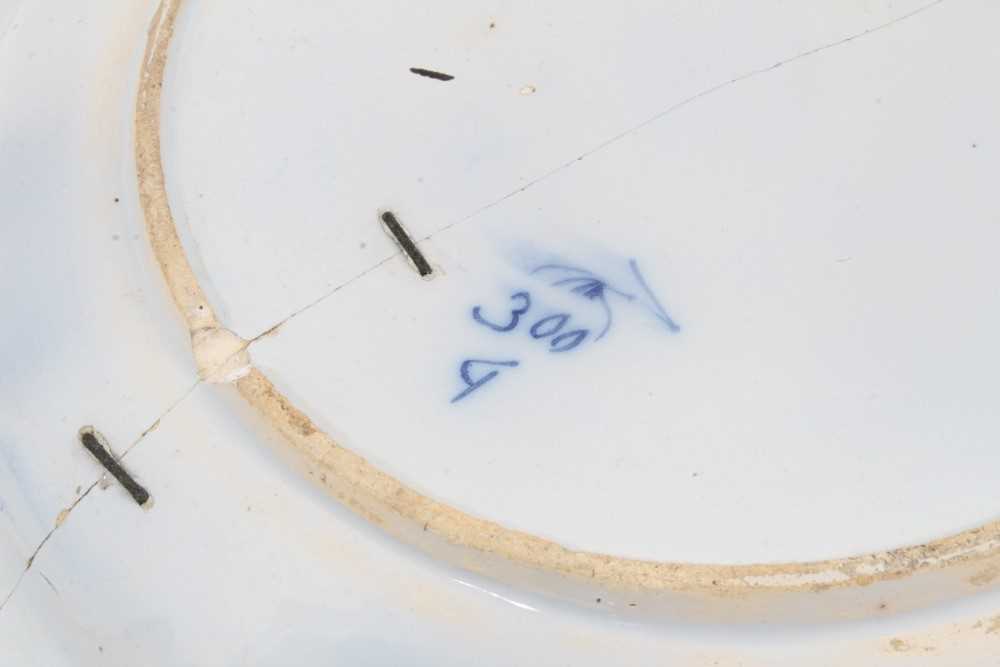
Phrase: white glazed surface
(835, 357)
(241, 562)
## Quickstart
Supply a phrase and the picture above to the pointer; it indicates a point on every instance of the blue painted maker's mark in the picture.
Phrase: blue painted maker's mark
(658, 308)
(472, 385)
(591, 286)
(588, 285)
(574, 337)
(548, 326)
(552, 325)
(579, 281)
(515, 314)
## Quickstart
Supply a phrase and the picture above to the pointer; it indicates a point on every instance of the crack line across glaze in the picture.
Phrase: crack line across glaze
(468, 541)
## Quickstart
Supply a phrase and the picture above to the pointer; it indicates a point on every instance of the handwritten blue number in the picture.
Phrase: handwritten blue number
(515, 314)
(473, 385)
(539, 329)
(574, 337)
(553, 324)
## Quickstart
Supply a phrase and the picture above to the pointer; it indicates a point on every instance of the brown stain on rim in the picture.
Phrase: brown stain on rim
(898, 645)
(378, 497)
(986, 576)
